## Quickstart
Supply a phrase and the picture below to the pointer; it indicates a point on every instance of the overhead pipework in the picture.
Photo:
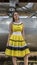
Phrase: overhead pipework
(16, 5)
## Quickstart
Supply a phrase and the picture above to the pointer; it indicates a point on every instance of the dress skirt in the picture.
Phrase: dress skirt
(17, 46)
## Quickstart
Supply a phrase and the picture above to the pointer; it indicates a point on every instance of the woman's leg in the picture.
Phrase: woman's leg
(26, 60)
(14, 60)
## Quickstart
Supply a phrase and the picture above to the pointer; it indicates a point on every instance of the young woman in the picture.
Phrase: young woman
(16, 45)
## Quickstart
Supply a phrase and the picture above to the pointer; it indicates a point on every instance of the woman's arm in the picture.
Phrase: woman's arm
(23, 32)
(10, 32)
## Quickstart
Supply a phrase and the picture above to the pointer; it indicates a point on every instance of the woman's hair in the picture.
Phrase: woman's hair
(13, 16)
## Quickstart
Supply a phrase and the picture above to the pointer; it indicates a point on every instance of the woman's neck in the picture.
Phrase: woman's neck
(16, 21)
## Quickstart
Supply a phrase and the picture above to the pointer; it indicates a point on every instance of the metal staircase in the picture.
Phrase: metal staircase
(32, 59)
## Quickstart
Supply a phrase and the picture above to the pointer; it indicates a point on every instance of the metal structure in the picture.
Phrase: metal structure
(30, 31)
(15, 5)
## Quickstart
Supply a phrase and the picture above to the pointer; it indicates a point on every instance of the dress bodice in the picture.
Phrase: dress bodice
(17, 27)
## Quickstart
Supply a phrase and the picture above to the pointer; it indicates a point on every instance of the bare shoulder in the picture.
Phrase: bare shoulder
(10, 25)
(22, 23)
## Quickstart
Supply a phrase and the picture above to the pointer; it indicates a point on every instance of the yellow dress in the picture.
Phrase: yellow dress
(17, 45)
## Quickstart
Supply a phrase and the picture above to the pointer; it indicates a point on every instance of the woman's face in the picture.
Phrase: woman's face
(16, 16)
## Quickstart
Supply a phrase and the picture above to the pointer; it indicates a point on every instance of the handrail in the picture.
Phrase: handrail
(28, 61)
(4, 3)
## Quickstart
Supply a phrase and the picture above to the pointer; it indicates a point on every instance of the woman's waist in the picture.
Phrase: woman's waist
(17, 33)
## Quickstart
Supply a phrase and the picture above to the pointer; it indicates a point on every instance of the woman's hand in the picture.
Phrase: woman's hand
(7, 44)
(10, 32)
